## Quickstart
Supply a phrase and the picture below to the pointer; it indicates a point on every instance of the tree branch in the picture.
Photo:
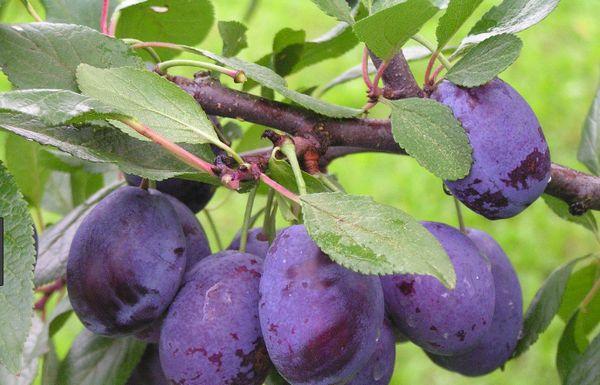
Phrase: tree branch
(344, 136)
(399, 81)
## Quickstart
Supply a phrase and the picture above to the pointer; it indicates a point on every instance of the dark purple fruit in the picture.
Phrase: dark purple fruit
(148, 371)
(193, 194)
(320, 320)
(211, 335)
(257, 244)
(438, 319)
(498, 343)
(379, 369)
(126, 262)
(511, 160)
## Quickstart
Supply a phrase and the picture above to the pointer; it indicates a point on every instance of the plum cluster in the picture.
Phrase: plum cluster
(140, 264)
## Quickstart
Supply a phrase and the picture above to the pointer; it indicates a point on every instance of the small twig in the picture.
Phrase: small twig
(459, 215)
(47, 292)
(104, 17)
(247, 218)
(590, 296)
(365, 70)
(279, 188)
(238, 76)
(436, 73)
(32, 11)
(375, 90)
(430, 67)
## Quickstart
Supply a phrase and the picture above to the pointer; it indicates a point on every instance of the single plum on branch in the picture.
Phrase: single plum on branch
(193, 194)
(511, 159)
(211, 335)
(441, 320)
(498, 343)
(320, 320)
(121, 276)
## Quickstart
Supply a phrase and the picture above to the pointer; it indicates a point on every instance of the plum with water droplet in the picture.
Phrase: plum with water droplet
(126, 262)
(441, 320)
(320, 320)
(511, 160)
(211, 334)
(498, 343)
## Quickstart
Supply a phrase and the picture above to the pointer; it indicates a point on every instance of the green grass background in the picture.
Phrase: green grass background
(557, 73)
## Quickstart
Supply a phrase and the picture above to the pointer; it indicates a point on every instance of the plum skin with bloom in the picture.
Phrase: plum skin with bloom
(511, 159)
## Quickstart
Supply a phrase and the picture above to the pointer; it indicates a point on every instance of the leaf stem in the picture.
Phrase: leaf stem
(32, 11)
(104, 16)
(184, 155)
(268, 218)
(379, 74)
(155, 56)
(590, 296)
(432, 48)
(213, 228)
(238, 76)
(323, 178)
(459, 215)
(365, 69)
(289, 150)
(247, 218)
(279, 188)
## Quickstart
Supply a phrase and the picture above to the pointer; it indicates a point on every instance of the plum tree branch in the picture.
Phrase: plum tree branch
(340, 137)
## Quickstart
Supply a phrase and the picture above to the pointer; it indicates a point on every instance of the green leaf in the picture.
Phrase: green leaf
(44, 55)
(336, 8)
(56, 107)
(108, 144)
(97, 360)
(457, 13)
(385, 32)
(589, 147)
(288, 46)
(510, 17)
(586, 370)
(60, 314)
(35, 346)
(485, 61)
(158, 103)
(25, 161)
(430, 133)
(50, 366)
(568, 352)
(545, 305)
(55, 242)
(371, 238)
(561, 208)
(234, 38)
(281, 172)
(82, 12)
(267, 78)
(580, 283)
(175, 21)
(275, 379)
(16, 294)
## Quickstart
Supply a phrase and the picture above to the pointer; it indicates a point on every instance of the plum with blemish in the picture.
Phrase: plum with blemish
(211, 334)
(148, 371)
(257, 243)
(511, 160)
(379, 369)
(126, 262)
(320, 320)
(497, 345)
(438, 319)
(195, 195)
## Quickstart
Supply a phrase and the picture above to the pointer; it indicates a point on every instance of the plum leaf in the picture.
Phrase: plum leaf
(545, 305)
(586, 370)
(336, 8)
(386, 31)
(97, 360)
(568, 352)
(485, 61)
(561, 208)
(81, 12)
(430, 133)
(35, 346)
(511, 16)
(175, 21)
(233, 34)
(457, 13)
(151, 99)
(281, 172)
(16, 282)
(45, 55)
(372, 238)
(589, 147)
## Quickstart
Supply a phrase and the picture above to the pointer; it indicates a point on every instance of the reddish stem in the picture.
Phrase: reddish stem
(279, 188)
(378, 76)
(430, 67)
(436, 73)
(365, 69)
(104, 17)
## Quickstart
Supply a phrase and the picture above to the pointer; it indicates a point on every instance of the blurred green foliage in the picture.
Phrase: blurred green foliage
(557, 73)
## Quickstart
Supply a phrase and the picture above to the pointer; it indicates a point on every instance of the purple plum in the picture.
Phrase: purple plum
(498, 344)
(320, 320)
(195, 195)
(211, 335)
(126, 262)
(441, 320)
(511, 160)
(148, 371)
(379, 369)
